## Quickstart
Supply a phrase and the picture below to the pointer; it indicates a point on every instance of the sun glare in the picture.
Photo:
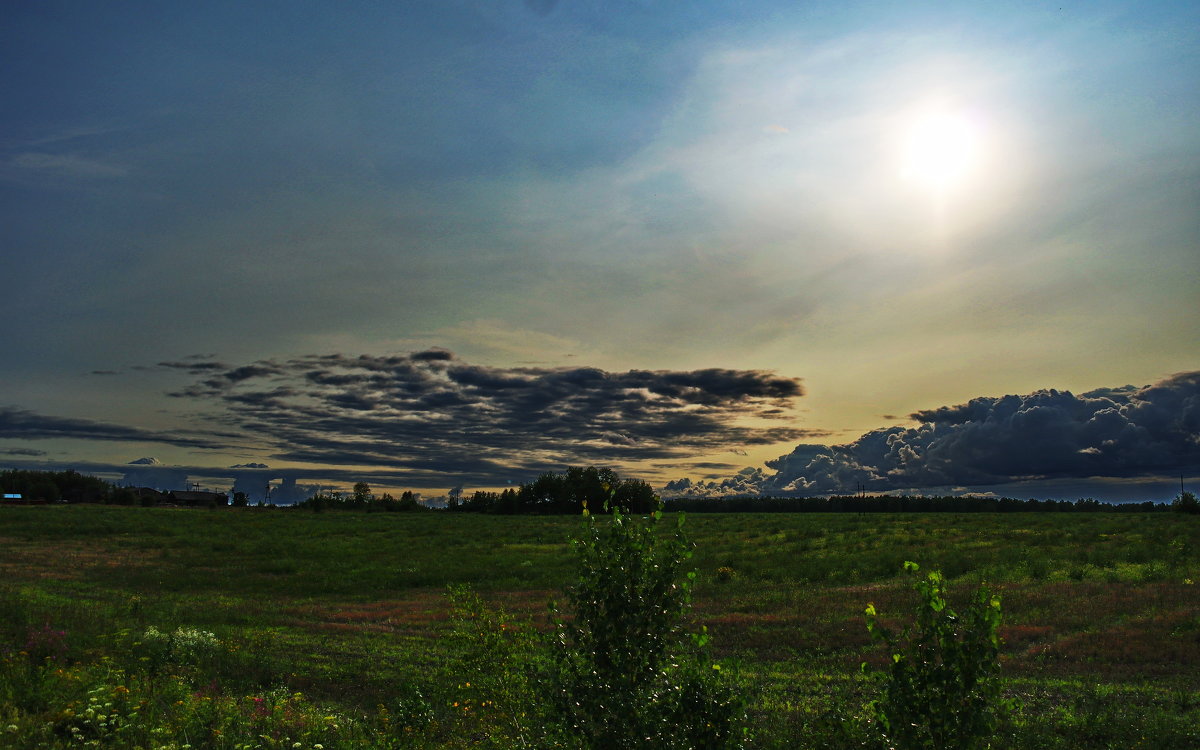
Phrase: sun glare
(940, 149)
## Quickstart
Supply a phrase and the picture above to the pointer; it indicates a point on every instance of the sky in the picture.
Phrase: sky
(769, 247)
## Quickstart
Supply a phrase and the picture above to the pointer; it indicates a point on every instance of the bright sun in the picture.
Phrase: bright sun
(940, 149)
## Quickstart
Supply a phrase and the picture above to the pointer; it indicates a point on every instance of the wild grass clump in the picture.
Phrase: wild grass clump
(497, 669)
(126, 700)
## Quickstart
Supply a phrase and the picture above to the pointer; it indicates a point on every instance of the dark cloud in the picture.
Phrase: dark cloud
(193, 367)
(1046, 435)
(430, 355)
(430, 412)
(238, 374)
(27, 425)
(22, 452)
(713, 465)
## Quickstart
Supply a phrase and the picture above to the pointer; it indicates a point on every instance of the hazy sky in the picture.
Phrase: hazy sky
(434, 244)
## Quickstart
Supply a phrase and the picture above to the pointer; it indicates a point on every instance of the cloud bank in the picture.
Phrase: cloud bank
(431, 419)
(432, 413)
(22, 424)
(1049, 434)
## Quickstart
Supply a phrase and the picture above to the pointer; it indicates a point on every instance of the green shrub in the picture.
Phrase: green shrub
(626, 673)
(942, 683)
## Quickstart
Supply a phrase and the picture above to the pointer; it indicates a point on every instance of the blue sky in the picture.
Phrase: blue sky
(718, 194)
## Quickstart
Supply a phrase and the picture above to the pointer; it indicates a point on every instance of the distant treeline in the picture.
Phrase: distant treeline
(569, 492)
(564, 494)
(362, 498)
(58, 486)
(39, 487)
(903, 504)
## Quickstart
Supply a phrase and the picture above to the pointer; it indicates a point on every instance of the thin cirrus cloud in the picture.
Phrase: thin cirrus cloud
(1113, 433)
(432, 413)
(68, 165)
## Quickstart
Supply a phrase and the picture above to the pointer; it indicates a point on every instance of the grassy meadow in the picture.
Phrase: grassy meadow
(152, 627)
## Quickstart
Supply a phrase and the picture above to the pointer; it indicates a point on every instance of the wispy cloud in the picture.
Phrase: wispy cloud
(68, 165)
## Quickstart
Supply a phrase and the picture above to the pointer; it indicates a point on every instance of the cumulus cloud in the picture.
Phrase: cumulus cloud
(430, 412)
(150, 472)
(1049, 434)
(289, 491)
(747, 482)
(257, 480)
(254, 479)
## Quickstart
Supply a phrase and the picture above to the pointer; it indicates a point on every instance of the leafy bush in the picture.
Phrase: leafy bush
(627, 675)
(942, 684)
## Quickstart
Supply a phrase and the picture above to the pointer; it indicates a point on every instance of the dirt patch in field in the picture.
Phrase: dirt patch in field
(1124, 631)
(1149, 646)
(423, 614)
(778, 623)
(64, 561)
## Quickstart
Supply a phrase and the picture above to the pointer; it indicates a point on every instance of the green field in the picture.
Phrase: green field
(335, 628)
